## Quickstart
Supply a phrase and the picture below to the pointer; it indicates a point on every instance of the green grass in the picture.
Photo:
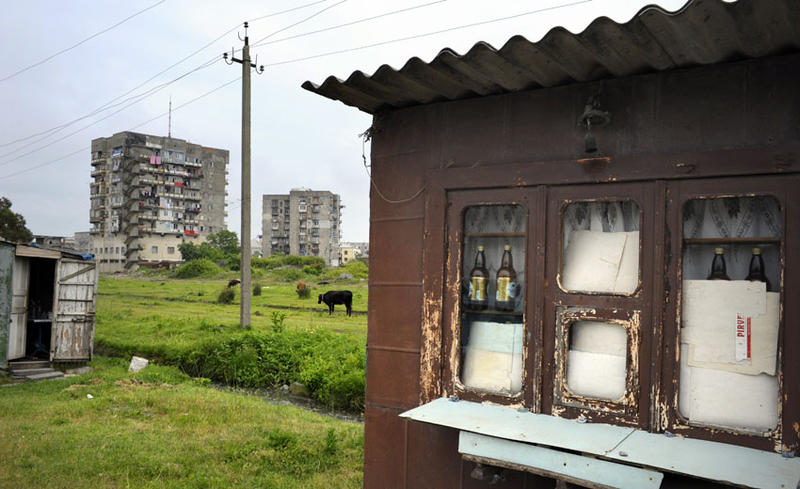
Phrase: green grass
(179, 323)
(162, 429)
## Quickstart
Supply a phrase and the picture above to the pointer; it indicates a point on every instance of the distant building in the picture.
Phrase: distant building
(66, 243)
(350, 251)
(150, 194)
(303, 222)
(83, 241)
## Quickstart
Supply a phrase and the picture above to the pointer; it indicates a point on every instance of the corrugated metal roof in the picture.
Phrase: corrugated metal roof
(703, 32)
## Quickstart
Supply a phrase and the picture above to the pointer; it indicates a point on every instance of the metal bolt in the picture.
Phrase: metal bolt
(623, 454)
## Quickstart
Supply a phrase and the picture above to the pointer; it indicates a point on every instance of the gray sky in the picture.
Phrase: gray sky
(299, 139)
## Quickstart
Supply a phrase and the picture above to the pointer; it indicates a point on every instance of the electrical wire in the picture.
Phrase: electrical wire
(366, 136)
(107, 105)
(300, 21)
(427, 34)
(81, 42)
(140, 98)
(50, 162)
(348, 24)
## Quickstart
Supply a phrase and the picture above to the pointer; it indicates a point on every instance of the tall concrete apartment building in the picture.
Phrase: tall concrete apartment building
(151, 193)
(304, 222)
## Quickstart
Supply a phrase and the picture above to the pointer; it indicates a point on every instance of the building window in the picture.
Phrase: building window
(117, 250)
(170, 250)
(154, 250)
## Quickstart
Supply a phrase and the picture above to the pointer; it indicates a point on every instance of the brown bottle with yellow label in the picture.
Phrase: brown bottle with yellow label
(477, 283)
(505, 297)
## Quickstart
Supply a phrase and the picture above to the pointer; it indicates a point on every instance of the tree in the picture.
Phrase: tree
(12, 225)
(225, 241)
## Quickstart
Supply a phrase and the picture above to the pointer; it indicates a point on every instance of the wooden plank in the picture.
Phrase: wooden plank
(586, 471)
(756, 240)
(34, 252)
(698, 458)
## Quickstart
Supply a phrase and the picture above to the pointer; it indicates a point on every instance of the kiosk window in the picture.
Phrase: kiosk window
(492, 299)
(730, 313)
(600, 250)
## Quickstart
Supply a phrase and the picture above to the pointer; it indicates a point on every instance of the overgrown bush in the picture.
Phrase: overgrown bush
(330, 365)
(202, 267)
(303, 290)
(226, 296)
(256, 289)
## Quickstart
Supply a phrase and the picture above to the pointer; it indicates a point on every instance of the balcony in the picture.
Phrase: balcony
(98, 161)
(98, 172)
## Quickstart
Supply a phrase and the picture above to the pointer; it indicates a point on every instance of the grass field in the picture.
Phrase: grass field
(179, 323)
(162, 429)
(179, 314)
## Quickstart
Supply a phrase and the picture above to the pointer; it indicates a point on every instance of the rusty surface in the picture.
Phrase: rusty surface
(662, 123)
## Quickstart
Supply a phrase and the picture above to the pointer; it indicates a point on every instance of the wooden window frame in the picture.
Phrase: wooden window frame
(669, 416)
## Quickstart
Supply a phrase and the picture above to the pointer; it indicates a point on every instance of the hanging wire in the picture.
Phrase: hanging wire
(365, 137)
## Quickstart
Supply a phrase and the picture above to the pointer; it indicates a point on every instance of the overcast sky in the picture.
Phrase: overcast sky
(299, 139)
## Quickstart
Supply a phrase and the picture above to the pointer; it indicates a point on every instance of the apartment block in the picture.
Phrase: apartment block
(302, 222)
(151, 193)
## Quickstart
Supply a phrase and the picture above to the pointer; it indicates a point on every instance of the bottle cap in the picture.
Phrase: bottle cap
(718, 251)
(480, 247)
(756, 251)
(507, 247)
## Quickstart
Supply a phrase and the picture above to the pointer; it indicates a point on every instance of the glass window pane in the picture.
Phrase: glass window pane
(492, 299)
(596, 360)
(730, 312)
(601, 247)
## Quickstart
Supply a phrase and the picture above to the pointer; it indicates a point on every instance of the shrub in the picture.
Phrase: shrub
(303, 290)
(257, 289)
(278, 321)
(202, 267)
(226, 296)
(331, 366)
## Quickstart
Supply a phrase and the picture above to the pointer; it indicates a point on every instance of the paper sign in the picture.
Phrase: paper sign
(742, 340)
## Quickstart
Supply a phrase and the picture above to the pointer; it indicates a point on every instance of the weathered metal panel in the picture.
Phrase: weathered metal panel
(17, 333)
(699, 458)
(74, 309)
(6, 291)
(565, 465)
(703, 32)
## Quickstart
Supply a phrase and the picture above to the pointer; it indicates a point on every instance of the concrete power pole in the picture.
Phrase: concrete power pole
(246, 287)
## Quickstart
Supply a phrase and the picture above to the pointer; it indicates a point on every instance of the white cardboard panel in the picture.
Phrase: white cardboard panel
(599, 337)
(728, 399)
(492, 371)
(596, 375)
(595, 261)
(713, 345)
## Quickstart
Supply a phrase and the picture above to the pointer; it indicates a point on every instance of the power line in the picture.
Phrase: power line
(107, 104)
(301, 21)
(156, 89)
(348, 24)
(131, 128)
(81, 42)
(427, 34)
(139, 98)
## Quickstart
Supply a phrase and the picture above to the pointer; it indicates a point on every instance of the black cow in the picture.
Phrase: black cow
(337, 297)
(234, 283)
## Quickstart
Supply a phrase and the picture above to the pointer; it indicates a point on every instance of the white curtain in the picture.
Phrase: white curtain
(733, 217)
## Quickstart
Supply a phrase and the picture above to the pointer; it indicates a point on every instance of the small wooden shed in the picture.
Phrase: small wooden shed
(612, 171)
(48, 300)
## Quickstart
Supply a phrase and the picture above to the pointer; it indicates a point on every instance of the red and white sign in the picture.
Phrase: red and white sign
(742, 341)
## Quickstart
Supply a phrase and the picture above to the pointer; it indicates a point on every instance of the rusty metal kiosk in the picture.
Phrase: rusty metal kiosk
(613, 169)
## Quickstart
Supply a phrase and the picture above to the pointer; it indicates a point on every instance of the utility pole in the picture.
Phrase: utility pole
(245, 288)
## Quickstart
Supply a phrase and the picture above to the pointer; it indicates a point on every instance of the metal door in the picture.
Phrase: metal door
(19, 308)
(73, 310)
